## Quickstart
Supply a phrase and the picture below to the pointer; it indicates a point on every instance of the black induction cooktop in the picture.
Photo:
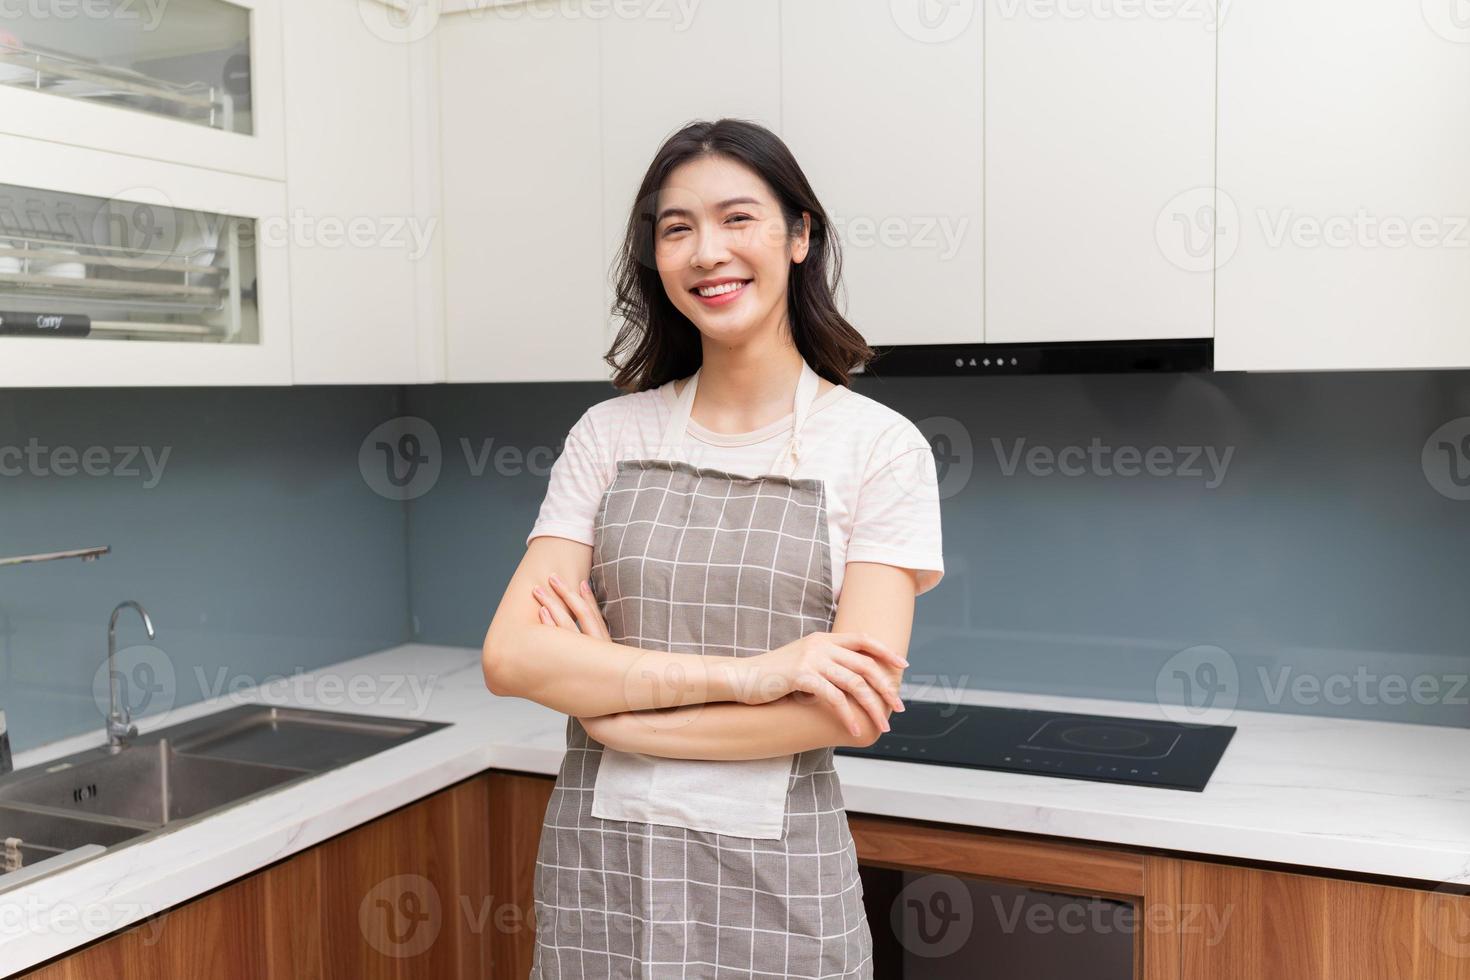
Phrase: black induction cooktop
(1116, 750)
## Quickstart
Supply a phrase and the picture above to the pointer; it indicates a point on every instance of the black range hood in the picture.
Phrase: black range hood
(1081, 357)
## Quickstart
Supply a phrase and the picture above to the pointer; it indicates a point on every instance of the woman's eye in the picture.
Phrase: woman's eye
(673, 228)
(745, 216)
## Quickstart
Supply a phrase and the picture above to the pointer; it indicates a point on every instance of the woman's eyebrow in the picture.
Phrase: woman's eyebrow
(684, 213)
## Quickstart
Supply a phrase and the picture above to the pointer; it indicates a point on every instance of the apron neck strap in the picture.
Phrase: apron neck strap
(790, 455)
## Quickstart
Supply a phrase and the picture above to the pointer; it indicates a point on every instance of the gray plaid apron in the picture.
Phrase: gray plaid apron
(697, 560)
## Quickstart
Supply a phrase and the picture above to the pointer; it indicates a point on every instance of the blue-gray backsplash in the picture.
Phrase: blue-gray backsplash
(237, 517)
(1295, 543)
(1291, 543)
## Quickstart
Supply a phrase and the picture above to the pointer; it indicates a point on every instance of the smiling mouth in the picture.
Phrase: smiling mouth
(724, 289)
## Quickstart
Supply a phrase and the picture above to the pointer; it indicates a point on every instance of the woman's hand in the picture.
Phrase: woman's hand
(562, 606)
(828, 666)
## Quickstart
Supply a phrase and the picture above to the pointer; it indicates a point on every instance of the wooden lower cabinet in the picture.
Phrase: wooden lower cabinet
(427, 891)
(443, 889)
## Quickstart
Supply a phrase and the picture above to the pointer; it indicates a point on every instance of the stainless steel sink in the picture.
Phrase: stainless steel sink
(146, 783)
(176, 775)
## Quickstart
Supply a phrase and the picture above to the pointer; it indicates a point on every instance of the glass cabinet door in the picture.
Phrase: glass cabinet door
(188, 60)
(77, 266)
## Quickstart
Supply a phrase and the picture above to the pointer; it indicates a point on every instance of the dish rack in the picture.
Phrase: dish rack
(51, 71)
(140, 280)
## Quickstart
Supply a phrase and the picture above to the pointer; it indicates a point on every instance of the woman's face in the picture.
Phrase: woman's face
(722, 248)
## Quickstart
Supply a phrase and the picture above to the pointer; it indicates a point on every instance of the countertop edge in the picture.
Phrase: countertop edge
(115, 890)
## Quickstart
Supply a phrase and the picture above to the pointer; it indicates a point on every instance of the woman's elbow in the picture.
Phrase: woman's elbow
(494, 658)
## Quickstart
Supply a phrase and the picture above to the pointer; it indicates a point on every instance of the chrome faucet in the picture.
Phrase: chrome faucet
(119, 720)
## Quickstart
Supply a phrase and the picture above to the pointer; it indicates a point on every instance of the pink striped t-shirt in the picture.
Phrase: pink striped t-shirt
(881, 482)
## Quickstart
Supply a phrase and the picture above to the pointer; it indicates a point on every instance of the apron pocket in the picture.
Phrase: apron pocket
(735, 797)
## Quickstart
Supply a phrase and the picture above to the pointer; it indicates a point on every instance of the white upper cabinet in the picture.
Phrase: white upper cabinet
(196, 82)
(363, 223)
(1099, 158)
(116, 270)
(881, 104)
(658, 73)
(1344, 195)
(524, 262)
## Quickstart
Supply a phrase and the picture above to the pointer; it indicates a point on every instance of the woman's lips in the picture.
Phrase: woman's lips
(723, 298)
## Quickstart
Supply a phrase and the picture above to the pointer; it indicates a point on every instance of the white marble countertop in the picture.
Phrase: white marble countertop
(1356, 796)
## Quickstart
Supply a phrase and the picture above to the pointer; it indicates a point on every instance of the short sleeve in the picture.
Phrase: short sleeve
(896, 520)
(575, 488)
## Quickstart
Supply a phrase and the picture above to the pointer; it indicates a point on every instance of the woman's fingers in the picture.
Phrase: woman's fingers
(858, 686)
(583, 607)
(871, 645)
(560, 615)
(876, 675)
(817, 685)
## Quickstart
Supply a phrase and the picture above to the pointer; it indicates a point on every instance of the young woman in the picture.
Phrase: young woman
(718, 590)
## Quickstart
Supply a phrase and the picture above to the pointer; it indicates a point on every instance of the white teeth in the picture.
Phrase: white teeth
(728, 287)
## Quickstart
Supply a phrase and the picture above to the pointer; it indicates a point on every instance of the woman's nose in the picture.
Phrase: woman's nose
(710, 250)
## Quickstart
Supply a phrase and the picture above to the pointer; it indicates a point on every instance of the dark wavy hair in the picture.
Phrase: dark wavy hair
(658, 342)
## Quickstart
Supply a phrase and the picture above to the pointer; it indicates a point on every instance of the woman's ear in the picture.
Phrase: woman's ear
(802, 243)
